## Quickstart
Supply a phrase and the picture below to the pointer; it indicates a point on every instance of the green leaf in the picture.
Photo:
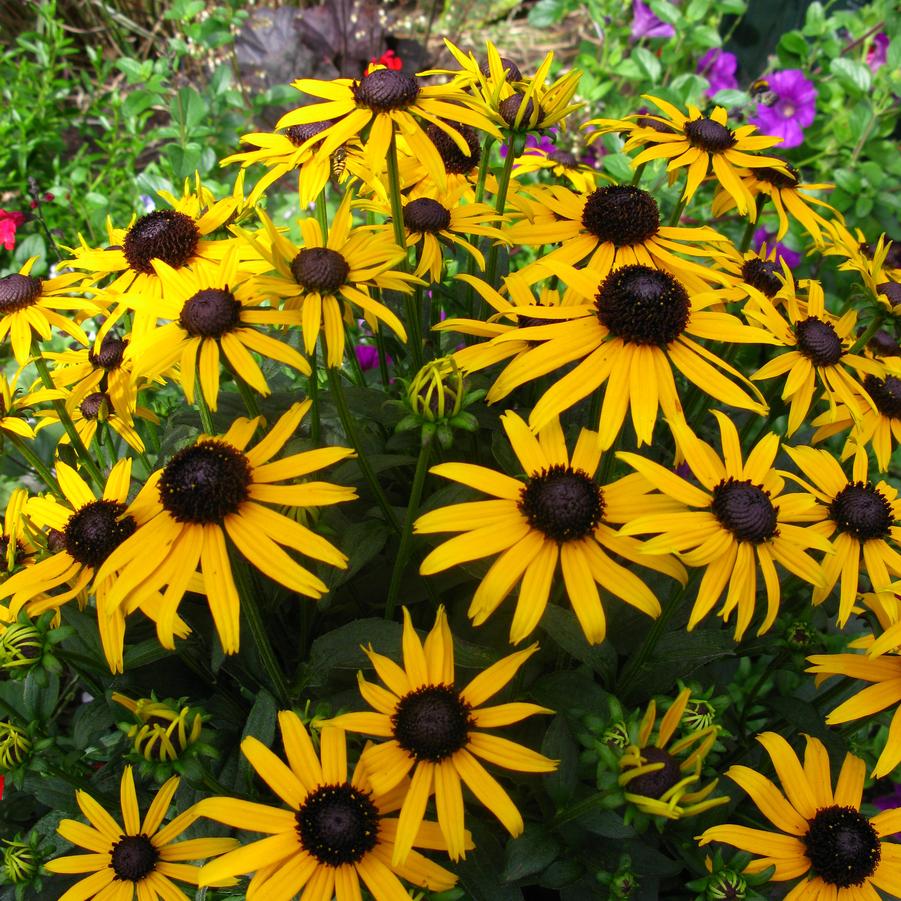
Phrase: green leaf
(530, 853)
(341, 648)
(563, 627)
(893, 55)
(260, 724)
(649, 63)
(729, 98)
(91, 721)
(793, 43)
(854, 76)
(190, 108)
(39, 701)
(479, 871)
(560, 744)
(364, 541)
(619, 166)
(139, 101)
(183, 160)
(547, 12)
(606, 823)
(570, 690)
(815, 23)
(665, 11)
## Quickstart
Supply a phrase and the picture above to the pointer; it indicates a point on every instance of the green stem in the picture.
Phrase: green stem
(868, 333)
(350, 429)
(383, 358)
(483, 168)
(397, 205)
(313, 392)
(677, 212)
(749, 228)
(322, 214)
(74, 438)
(359, 376)
(500, 204)
(36, 463)
(412, 303)
(206, 418)
(403, 552)
(251, 611)
(639, 171)
(247, 395)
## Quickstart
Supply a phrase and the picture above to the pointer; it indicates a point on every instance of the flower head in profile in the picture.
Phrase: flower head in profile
(338, 832)
(793, 110)
(718, 67)
(823, 838)
(133, 858)
(434, 729)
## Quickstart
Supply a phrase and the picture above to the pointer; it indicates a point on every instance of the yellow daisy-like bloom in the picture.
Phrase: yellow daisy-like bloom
(431, 726)
(788, 195)
(754, 270)
(823, 837)
(325, 280)
(560, 163)
(864, 515)
(138, 859)
(337, 832)
(881, 259)
(216, 488)
(16, 547)
(662, 779)
(820, 351)
(741, 521)
(390, 101)
(163, 731)
(558, 513)
(212, 310)
(611, 227)
(630, 332)
(14, 407)
(700, 143)
(28, 308)
(89, 410)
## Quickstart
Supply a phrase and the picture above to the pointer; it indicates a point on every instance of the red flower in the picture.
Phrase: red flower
(10, 220)
(388, 59)
(2, 780)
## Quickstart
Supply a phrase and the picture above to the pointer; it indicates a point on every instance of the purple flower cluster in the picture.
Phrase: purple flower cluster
(791, 257)
(793, 110)
(646, 25)
(718, 67)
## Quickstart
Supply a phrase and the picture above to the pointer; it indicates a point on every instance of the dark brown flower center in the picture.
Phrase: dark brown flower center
(657, 783)
(300, 134)
(112, 350)
(708, 135)
(650, 122)
(96, 530)
(386, 89)
(509, 110)
(18, 291)
(564, 158)
(818, 341)
(891, 291)
(338, 824)
(511, 70)
(133, 858)
(621, 214)
(886, 394)
(842, 846)
(564, 503)
(94, 405)
(426, 215)
(19, 554)
(456, 162)
(320, 269)
(432, 722)
(205, 483)
(745, 510)
(643, 305)
(762, 275)
(210, 313)
(164, 235)
(777, 178)
(863, 511)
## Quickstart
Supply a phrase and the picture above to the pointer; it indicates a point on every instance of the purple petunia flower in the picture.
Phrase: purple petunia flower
(545, 143)
(889, 802)
(718, 67)
(878, 52)
(368, 356)
(646, 25)
(791, 257)
(793, 111)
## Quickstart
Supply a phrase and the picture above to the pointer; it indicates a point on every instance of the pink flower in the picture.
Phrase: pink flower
(793, 110)
(368, 356)
(877, 54)
(10, 220)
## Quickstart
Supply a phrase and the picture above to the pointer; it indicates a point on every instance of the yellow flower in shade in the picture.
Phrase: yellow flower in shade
(16, 547)
(14, 407)
(134, 858)
(700, 143)
(819, 350)
(213, 311)
(215, 492)
(325, 280)
(864, 515)
(337, 833)
(392, 102)
(164, 731)
(29, 305)
(89, 411)
(630, 332)
(557, 513)
(560, 163)
(431, 728)
(741, 522)
(754, 270)
(823, 837)
(662, 779)
(611, 227)
(789, 197)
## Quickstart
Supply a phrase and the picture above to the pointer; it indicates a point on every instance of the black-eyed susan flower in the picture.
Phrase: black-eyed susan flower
(214, 311)
(863, 518)
(89, 412)
(557, 514)
(338, 832)
(29, 305)
(163, 731)
(630, 332)
(761, 269)
(326, 279)
(433, 727)
(823, 839)
(561, 162)
(15, 408)
(133, 858)
(214, 492)
(663, 779)
(460, 166)
(16, 547)
(819, 350)
(740, 522)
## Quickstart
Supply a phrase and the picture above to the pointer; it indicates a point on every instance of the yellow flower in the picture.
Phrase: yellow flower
(823, 837)
(431, 727)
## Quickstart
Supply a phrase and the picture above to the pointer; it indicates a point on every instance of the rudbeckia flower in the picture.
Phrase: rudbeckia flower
(214, 492)
(759, 269)
(431, 727)
(823, 839)
(133, 858)
(558, 513)
(741, 521)
(337, 833)
(15, 407)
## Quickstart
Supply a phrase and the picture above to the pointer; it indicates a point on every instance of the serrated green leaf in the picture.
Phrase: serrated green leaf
(530, 853)
(563, 627)
(854, 76)
(649, 63)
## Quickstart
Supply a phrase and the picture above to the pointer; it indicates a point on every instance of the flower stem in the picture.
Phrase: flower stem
(322, 214)
(397, 206)
(677, 212)
(36, 463)
(247, 395)
(403, 552)
(639, 171)
(749, 228)
(350, 429)
(500, 203)
(383, 357)
(206, 418)
(313, 392)
(868, 333)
